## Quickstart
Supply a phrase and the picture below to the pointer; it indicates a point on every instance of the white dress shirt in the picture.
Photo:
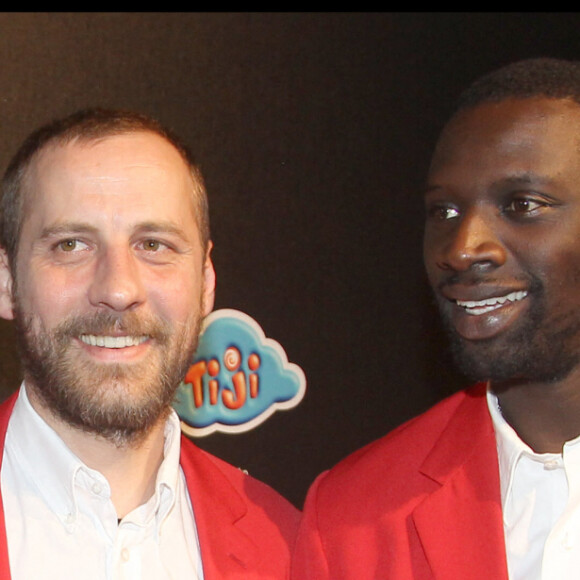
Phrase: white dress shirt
(61, 522)
(541, 505)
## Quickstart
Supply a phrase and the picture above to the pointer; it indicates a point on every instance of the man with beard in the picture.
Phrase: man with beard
(485, 485)
(105, 269)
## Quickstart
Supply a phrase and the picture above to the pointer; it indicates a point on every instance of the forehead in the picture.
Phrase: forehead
(125, 168)
(114, 182)
(122, 156)
(521, 133)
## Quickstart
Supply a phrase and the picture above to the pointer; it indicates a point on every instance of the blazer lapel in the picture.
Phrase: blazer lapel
(460, 524)
(226, 551)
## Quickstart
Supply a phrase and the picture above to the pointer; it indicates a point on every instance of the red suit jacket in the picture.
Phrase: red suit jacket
(422, 502)
(246, 530)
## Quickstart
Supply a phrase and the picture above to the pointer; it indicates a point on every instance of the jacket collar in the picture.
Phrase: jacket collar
(460, 524)
(5, 412)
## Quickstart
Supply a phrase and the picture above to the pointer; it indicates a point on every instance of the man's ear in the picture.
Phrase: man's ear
(6, 302)
(208, 281)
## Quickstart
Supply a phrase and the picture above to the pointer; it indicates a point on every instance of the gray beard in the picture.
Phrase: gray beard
(96, 398)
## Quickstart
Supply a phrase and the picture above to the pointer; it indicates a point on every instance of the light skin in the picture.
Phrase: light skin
(109, 227)
(502, 253)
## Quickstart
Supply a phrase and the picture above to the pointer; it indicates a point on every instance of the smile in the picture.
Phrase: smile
(478, 307)
(112, 341)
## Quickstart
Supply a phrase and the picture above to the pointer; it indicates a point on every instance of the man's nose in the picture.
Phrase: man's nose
(473, 242)
(117, 282)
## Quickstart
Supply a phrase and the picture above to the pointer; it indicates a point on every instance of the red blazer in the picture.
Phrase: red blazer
(246, 530)
(422, 502)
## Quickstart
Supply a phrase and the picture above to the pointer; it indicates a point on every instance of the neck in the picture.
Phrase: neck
(544, 415)
(131, 469)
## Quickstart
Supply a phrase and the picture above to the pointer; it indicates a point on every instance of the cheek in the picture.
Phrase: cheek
(49, 297)
(175, 298)
(566, 274)
(558, 271)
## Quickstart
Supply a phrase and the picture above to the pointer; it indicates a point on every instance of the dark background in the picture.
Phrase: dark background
(314, 132)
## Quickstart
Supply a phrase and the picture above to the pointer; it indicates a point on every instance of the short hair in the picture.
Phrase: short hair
(85, 126)
(535, 77)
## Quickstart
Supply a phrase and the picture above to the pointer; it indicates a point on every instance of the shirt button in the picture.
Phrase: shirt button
(567, 542)
(69, 521)
(125, 554)
(97, 488)
(551, 465)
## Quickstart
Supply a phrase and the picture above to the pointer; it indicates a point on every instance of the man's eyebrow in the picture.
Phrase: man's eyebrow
(517, 179)
(71, 228)
(524, 178)
(67, 228)
(163, 227)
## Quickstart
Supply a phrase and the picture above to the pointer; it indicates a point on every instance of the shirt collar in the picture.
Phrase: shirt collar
(509, 446)
(54, 468)
(511, 449)
(44, 457)
(168, 478)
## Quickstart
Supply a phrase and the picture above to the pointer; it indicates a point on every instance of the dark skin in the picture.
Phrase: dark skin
(502, 253)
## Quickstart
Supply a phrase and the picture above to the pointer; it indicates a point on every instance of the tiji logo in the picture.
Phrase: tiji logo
(242, 386)
(238, 377)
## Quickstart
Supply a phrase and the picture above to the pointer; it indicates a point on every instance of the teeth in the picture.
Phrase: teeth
(112, 341)
(483, 306)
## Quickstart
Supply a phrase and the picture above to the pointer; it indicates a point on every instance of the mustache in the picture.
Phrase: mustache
(471, 278)
(107, 323)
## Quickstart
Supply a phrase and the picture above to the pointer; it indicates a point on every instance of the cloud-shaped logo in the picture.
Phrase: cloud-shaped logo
(238, 377)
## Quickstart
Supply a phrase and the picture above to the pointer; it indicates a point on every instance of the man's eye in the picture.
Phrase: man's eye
(524, 205)
(69, 245)
(152, 245)
(443, 213)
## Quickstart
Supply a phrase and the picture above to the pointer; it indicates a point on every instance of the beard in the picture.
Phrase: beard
(119, 402)
(540, 348)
